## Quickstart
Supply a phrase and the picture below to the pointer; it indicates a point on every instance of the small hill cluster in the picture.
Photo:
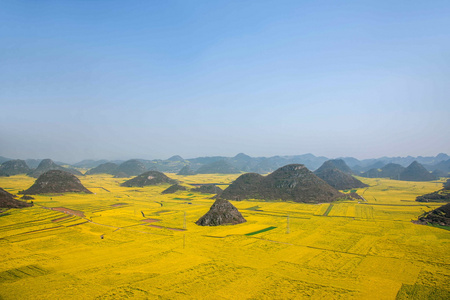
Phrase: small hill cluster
(222, 212)
(439, 216)
(56, 181)
(7, 200)
(289, 183)
(47, 165)
(14, 167)
(414, 172)
(149, 178)
(332, 173)
(390, 170)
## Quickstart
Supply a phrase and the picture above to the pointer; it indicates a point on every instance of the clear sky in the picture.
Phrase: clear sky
(151, 79)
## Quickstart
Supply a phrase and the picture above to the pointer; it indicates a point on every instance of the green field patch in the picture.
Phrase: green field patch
(261, 231)
(330, 207)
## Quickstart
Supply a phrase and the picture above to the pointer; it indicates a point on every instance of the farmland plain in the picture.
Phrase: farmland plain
(136, 243)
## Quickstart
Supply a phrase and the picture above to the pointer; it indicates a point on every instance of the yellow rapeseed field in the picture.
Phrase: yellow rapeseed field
(136, 243)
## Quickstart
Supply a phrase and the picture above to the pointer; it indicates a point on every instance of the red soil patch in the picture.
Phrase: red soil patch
(68, 211)
(150, 220)
(162, 227)
(119, 204)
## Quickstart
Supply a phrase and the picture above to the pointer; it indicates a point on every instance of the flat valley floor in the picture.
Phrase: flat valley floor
(136, 243)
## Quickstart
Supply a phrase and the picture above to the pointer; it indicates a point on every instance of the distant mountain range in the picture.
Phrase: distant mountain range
(263, 165)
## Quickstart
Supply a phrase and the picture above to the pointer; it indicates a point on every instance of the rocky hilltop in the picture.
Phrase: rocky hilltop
(416, 172)
(47, 165)
(56, 181)
(289, 183)
(14, 167)
(7, 201)
(149, 178)
(222, 212)
(337, 178)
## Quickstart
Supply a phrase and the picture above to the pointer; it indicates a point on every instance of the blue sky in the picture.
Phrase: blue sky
(150, 79)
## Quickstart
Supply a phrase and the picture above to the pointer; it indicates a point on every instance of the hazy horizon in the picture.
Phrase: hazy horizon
(119, 80)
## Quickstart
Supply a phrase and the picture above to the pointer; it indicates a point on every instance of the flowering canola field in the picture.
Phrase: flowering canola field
(136, 243)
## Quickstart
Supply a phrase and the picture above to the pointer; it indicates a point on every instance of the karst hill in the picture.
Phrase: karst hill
(14, 167)
(173, 189)
(106, 168)
(186, 170)
(7, 200)
(439, 216)
(149, 178)
(337, 178)
(47, 165)
(289, 183)
(56, 181)
(416, 172)
(208, 189)
(222, 212)
(442, 195)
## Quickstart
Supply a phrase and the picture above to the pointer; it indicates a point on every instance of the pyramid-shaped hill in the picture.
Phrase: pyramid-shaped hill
(7, 201)
(416, 172)
(149, 178)
(47, 165)
(106, 168)
(56, 181)
(222, 212)
(438, 216)
(131, 167)
(392, 171)
(14, 167)
(338, 179)
(218, 167)
(173, 189)
(336, 164)
(186, 170)
(289, 183)
(208, 189)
